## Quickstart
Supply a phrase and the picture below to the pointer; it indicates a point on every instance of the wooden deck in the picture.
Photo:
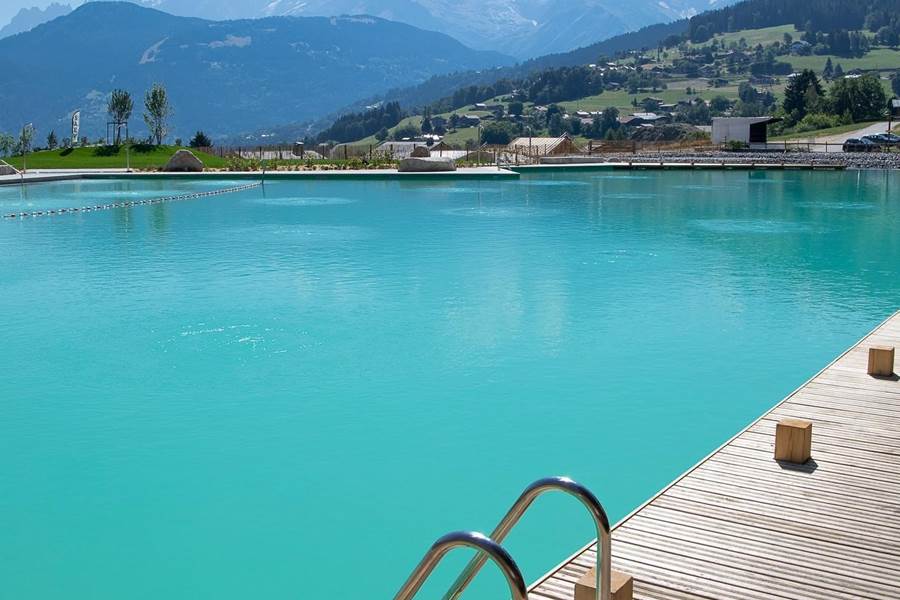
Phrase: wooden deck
(741, 525)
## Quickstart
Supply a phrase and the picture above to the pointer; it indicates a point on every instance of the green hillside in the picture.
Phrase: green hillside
(109, 157)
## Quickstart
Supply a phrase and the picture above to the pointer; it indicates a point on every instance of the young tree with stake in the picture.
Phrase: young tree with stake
(157, 112)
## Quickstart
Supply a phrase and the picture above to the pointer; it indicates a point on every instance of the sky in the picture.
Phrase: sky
(9, 8)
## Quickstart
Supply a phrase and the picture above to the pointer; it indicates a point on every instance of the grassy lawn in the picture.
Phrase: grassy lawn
(108, 157)
(460, 136)
(822, 132)
(877, 59)
(621, 99)
(765, 36)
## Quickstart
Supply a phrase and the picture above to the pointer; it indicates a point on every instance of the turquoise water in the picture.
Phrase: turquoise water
(290, 392)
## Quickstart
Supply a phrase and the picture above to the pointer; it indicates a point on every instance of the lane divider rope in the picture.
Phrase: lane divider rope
(130, 203)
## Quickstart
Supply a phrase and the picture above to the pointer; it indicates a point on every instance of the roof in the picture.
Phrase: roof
(747, 120)
(542, 145)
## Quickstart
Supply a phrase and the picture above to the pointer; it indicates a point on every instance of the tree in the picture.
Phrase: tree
(406, 131)
(427, 127)
(7, 144)
(516, 108)
(863, 98)
(802, 90)
(555, 126)
(200, 140)
(26, 136)
(382, 134)
(157, 112)
(719, 104)
(498, 133)
(828, 71)
(895, 83)
(52, 142)
(838, 71)
(120, 107)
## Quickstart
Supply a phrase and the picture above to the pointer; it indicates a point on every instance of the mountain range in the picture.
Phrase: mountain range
(29, 18)
(222, 76)
(521, 28)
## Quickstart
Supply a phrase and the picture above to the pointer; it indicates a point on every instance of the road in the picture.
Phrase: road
(840, 138)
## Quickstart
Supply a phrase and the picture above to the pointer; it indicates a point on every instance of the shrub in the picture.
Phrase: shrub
(814, 121)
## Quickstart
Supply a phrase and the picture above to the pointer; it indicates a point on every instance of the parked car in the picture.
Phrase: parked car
(883, 139)
(860, 145)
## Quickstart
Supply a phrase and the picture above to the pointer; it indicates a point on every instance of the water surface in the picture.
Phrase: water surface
(290, 392)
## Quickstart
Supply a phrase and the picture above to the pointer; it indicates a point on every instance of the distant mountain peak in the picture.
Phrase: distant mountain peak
(29, 18)
(523, 28)
(222, 76)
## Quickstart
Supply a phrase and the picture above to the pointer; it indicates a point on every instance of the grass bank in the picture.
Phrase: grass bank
(818, 133)
(109, 157)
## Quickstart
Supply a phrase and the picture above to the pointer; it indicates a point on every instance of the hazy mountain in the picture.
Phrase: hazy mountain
(29, 18)
(223, 77)
(523, 28)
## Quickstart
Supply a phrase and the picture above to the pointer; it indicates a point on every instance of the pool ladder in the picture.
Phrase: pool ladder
(490, 548)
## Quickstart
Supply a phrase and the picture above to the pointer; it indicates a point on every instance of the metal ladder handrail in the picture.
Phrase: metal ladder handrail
(531, 493)
(486, 547)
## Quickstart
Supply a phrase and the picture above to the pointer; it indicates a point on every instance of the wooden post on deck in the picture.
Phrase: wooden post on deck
(793, 441)
(881, 361)
(621, 586)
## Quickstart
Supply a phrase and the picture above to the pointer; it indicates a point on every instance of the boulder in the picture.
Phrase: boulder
(426, 165)
(420, 152)
(184, 161)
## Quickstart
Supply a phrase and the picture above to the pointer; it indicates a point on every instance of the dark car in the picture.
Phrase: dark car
(860, 145)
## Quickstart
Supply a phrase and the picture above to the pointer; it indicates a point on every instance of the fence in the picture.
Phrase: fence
(520, 155)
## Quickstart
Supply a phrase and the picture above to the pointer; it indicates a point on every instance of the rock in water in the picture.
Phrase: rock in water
(426, 165)
(184, 161)
(420, 152)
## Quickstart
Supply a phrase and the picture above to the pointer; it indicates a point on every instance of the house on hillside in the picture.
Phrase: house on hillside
(469, 121)
(747, 130)
(543, 146)
(644, 118)
(801, 48)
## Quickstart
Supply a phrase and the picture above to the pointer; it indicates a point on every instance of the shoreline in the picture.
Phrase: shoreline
(666, 160)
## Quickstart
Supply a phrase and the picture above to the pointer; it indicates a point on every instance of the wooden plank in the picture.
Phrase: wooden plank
(741, 525)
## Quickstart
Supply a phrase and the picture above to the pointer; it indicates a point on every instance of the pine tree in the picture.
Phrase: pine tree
(838, 71)
(52, 143)
(828, 71)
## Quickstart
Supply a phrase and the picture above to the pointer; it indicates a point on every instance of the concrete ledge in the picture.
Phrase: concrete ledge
(44, 176)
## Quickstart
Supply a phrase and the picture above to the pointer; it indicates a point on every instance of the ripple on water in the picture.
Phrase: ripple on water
(303, 232)
(748, 226)
(500, 212)
(627, 196)
(836, 205)
(532, 183)
(459, 190)
(303, 201)
(707, 188)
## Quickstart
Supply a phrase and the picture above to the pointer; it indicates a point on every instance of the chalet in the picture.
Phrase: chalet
(801, 48)
(469, 121)
(645, 118)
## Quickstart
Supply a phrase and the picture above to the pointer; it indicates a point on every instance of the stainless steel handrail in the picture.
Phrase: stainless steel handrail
(486, 547)
(531, 493)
